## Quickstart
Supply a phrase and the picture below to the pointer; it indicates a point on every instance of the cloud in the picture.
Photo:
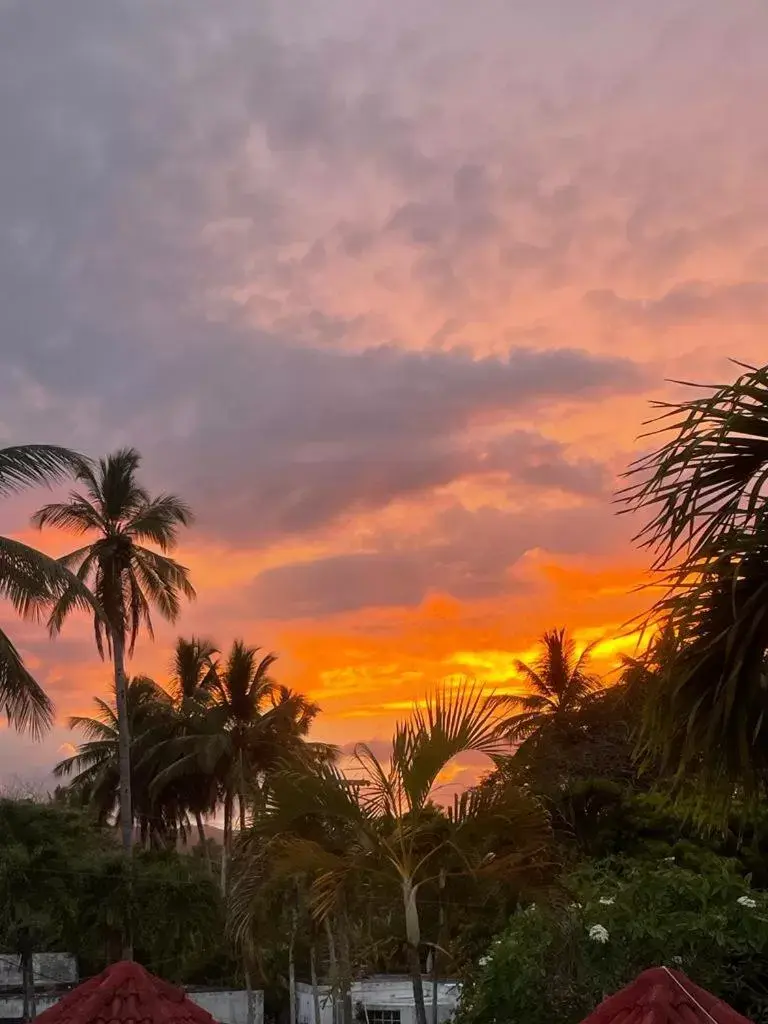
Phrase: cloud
(466, 555)
(691, 302)
(313, 269)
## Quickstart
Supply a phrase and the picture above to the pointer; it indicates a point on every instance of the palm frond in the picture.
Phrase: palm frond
(450, 723)
(710, 477)
(32, 581)
(25, 703)
(76, 516)
(169, 574)
(159, 520)
(94, 729)
(31, 464)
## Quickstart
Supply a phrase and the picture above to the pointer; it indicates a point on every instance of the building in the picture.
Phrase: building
(380, 999)
(664, 996)
(55, 974)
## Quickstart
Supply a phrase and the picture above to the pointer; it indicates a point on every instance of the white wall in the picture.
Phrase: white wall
(230, 1006)
(13, 1006)
(380, 992)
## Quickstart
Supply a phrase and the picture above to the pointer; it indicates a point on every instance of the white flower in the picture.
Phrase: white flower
(677, 960)
(669, 860)
(598, 934)
(747, 901)
(607, 900)
(574, 906)
(483, 961)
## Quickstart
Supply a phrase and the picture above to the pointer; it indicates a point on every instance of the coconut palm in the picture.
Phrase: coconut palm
(385, 827)
(193, 671)
(30, 580)
(128, 578)
(95, 767)
(245, 728)
(702, 494)
(560, 685)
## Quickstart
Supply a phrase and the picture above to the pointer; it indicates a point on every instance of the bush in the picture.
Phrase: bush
(619, 918)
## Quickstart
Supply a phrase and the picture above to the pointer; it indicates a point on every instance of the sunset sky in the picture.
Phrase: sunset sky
(383, 289)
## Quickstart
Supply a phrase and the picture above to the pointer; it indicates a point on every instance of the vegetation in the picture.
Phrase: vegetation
(618, 918)
(127, 578)
(386, 834)
(618, 826)
(703, 495)
(30, 580)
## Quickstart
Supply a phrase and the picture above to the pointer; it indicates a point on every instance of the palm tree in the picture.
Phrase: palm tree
(95, 768)
(193, 671)
(560, 685)
(127, 578)
(385, 827)
(30, 580)
(703, 497)
(245, 728)
(193, 676)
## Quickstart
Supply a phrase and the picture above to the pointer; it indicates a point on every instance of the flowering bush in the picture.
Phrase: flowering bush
(557, 963)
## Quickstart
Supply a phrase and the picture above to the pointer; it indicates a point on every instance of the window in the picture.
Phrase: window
(379, 1016)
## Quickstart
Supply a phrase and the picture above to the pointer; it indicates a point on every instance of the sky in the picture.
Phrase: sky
(384, 290)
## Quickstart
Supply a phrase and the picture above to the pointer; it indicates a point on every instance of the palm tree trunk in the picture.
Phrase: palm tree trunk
(249, 996)
(28, 985)
(334, 969)
(202, 840)
(413, 937)
(124, 762)
(313, 978)
(440, 927)
(345, 969)
(292, 971)
(414, 967)
(227, 841)
(241, 803)
(124, 741)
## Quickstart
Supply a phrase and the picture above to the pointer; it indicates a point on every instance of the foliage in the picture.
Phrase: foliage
(383, 832)
(95, 767)
(126, 575)
(31, 581)
(64, 885)
(559, 686)
(618, 918)
(703, 493)
(127, 567)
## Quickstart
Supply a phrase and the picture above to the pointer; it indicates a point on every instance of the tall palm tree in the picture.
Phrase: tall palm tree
(95, 768)
(702, 497)
(390, 830)
(560, 684)
(128, 578)
(30, 580)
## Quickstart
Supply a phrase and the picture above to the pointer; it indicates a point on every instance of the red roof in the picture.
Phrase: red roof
(663, 996)
(125, 994)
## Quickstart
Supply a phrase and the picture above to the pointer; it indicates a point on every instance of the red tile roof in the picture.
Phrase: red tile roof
(663, 996)
(125, 994)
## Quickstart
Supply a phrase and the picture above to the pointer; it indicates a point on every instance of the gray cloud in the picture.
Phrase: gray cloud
(468, 555)
(174, 173)
(690, 302)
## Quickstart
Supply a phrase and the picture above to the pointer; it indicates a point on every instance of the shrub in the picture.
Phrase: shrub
(618, 918)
